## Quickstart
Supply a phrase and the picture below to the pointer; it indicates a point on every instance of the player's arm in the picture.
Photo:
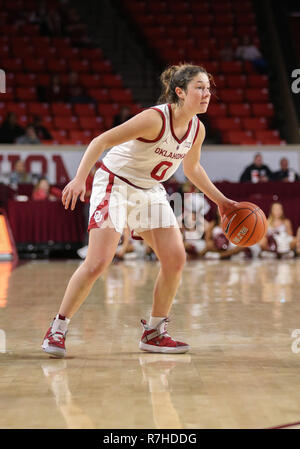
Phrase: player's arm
(147, 125)
(194, 171)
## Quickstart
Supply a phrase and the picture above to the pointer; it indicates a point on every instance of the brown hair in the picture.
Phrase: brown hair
(179, 76)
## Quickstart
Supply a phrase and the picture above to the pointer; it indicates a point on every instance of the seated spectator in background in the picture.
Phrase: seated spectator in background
(29, 137)
(247, 51)
(75, 93)
(123, 116)
(217, 245)
(43, 191)
(257, 171)
(227, 52)
(55, 92)
(285, 173)
(279, 239)
(10, 130)
(193, 236)
(19, 174)
(40, 130)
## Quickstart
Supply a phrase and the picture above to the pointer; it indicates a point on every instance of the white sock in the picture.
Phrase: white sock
(60, 325)
(154, 320)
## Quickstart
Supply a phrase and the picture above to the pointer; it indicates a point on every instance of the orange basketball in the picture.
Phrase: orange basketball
(245, 224)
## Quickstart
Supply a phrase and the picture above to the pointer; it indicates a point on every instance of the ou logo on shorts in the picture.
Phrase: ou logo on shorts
(98, 216)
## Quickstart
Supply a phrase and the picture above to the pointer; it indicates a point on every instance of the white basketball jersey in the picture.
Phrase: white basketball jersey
(144, 162)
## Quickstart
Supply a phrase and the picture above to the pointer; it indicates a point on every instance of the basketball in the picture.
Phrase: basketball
(245, 224)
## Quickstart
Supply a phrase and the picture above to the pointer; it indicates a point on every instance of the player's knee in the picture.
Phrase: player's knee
(174, 261)
(95, 269)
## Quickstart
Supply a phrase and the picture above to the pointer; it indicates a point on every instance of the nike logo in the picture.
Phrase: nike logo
(229, 223)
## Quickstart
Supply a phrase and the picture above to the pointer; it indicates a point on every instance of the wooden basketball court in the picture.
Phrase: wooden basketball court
(242, 371)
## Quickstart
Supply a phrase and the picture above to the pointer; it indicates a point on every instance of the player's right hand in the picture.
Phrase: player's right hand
(73, 190)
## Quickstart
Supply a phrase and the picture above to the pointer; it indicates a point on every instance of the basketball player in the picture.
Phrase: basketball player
(145, 151)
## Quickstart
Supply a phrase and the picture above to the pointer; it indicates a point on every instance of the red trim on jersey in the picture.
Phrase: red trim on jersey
(172, 129)
(103, 206)
(103, 167)
(197, 130)
(161, 132)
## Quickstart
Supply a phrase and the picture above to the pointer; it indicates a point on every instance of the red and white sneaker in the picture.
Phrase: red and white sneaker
(158, 340)
(54, 340)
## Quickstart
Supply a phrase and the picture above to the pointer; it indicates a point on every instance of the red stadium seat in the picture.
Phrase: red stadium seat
(121, 95)
(101, 67)
(263, 109)
(17, 108)
(257, 81)
(87, 110)
(25, 79)
(36, 108)
(66, 123)
(88, 123)
(226, 124)
(237, 137)
(217, 110)
(57, 65)
(61, 109)
(79, 65)
(257, 95)
(113, 81)
(236, 81)
(220, 81)
(101, 95)
(231, 95)
(231, 67)
(110, 109)
(33, 65)
(267, 134)
(91, 81)
(12, 65)
(254, 123)
(68, 52)
(26, 93)
(239, 110)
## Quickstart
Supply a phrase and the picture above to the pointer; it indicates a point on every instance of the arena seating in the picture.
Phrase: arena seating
(30, 60)
(196, 32)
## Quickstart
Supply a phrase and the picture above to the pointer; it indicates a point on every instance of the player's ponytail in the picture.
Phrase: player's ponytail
(178, 76)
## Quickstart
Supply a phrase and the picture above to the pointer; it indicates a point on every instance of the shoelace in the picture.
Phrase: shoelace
(57, 336)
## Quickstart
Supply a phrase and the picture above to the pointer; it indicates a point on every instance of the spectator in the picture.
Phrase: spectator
(247, 51)
(19, 175)
(193, 240)
(257, 171)
(285, 173)
(279, 239)
(123, 116)
(217, 245)
(75, 92)
(55, 92)
(43, 191)
(29, 137)
(227, 52)
(10, 130)
(40, 130)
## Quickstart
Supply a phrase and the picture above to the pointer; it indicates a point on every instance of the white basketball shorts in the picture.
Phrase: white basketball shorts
(127, 205)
